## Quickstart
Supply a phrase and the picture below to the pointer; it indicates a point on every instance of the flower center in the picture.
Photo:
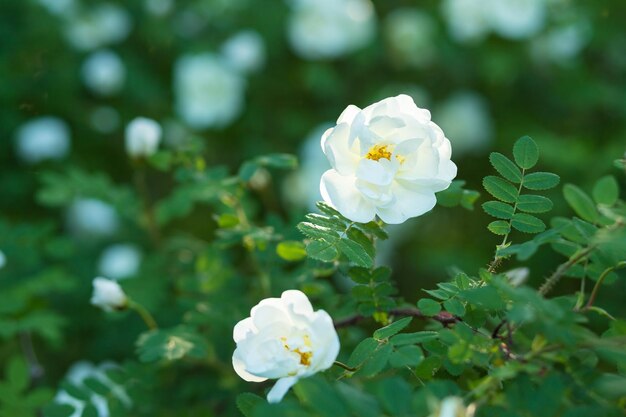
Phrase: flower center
(377, 152)
(305, 357)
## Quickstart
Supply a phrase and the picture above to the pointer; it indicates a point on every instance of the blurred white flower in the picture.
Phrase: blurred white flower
(284, 339)
(451, 407)
(92, 217)
(517, 19)
(388, 160)
(467, 19)
(119, 261)
(208, 92)
(104, 119)
(77, 374)
(59, 7)
(3, 260)
(245, 51)
(108, 295)
(159, 7)
(471, 20)
(410, 34)
(517, 276)
(302, 187)
(466, 120)
(103, 72)
(561, 44)
(326, 29)
(142, 137)
(104, 24)
(43, 138)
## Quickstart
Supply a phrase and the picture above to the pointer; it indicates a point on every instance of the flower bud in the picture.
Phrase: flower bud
(108, 295)
(142, 137)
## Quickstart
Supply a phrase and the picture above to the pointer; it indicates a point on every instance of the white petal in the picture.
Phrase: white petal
(348, 115)
(408, 204)
(298, 302)
(328, 349)
(267, 314)
(341, 192)
(242, 329)
(375, 172)
(240, 368)
(337, 149)
(280, 388)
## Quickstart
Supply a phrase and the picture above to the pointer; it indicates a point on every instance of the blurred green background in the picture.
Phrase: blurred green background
(240, 78)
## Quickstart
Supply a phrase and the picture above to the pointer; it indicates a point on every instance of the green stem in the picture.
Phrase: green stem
(596, 287)
(144, 314)
(563, 268)
(344, 366)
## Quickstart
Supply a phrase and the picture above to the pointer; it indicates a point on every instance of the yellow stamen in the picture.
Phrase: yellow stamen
(377, 152)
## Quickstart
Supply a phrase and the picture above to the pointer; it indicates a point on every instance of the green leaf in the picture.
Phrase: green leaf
(413, 338)
(428, 307)
(606, 190)
(90, 411)
(170, 344)
(454, 306)
(485, 297)
(362, 240)
(541, 181)
(355, 252)
(17, 374)
(525, 152)
(58, 410)
(409, 355)
(377, 361)
(500, 189)
(498, 209)
(527, 223)
(310, 390)
(246, 403)
(278, 160)
(505, 167)
(361, 403)
(161, 160)
(534, 203)
(393, 328)
(291, 250)
(322, 251)
(315, 231)
(499, 227)
(581, 203)
(363, 350)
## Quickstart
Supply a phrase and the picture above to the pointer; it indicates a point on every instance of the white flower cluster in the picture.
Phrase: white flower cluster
(327, 29)
(284, 339)
(76, 376)
(388, 160)
(41, 139)
(472, 20)
(209, 88)
(96, 26)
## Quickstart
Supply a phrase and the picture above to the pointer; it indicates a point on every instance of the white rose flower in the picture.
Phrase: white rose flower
(326, 29)
(451, 407)
(388, 160)
(208, 92)
(108, 295)
(245, 51)
(43, 138)
(142, 137)
(101, 25)
(104, 73)
(284, 338)
(119, 261)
